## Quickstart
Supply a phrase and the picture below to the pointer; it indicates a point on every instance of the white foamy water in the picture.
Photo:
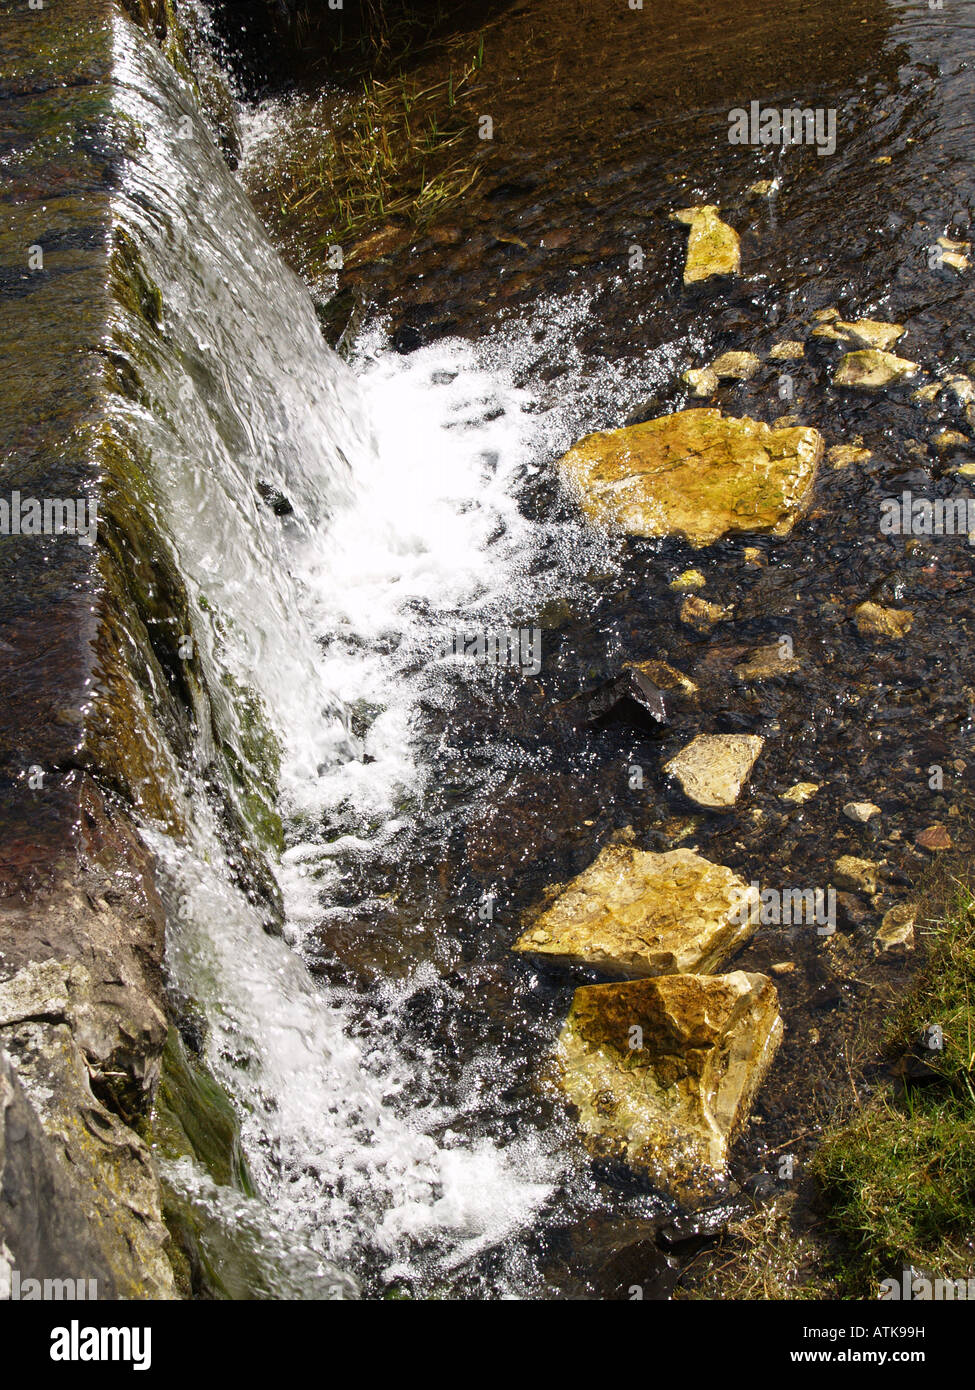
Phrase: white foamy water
(426, 540)
(403, 476)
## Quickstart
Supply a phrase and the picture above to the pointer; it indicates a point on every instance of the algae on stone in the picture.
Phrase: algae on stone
(634, 913)
(695, 473)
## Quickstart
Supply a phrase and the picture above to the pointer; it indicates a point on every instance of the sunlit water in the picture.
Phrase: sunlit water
(402, 479)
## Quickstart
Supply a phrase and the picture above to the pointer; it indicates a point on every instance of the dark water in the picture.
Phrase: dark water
(606, 119)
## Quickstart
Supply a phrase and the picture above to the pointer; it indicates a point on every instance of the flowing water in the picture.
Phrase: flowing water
(341, 523)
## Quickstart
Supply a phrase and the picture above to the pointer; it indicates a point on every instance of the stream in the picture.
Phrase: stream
(344, 523)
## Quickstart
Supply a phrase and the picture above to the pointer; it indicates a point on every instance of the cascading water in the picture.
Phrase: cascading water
(325, 620)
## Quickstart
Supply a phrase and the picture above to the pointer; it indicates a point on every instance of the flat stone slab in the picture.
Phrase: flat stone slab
(663, 1072)
(635, 913)
(697, 474)
(713, 768)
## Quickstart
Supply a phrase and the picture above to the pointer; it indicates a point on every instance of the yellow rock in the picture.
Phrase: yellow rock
(826, 315)
(787, 352)
(948, 440)
(633, 914)
(695, 473)
(690, 579)
(869, 370)
(841, 455)
(753, 556)
(701, 615)
(662, 1072)
(703, 381)
(767, 662)
(871, 332)
(713, 768)
(856, 875)
(926, 394)
(713, 247)
(800, 792)
(762, 188)
(873, 620)
(736, 366)
(664, 676)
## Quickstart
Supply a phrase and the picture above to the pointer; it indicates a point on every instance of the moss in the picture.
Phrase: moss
(192, 1116)
(898, 1178)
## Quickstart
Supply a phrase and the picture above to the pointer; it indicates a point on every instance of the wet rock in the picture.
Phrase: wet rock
(701, 615)
(764, 663)
(853, 913)
(696, 474)
(665, 677)
(870, 332)
(856, 875)
(762, 188)
(934, 838)
(871, 370)
(702, 380)
(949, 440)
(842, 455)
(955, 253)
(44, 1231)
(689, 579)
(783, 967)
(789, 351)
(874, 620)
(634, 913)
(713, 768)
(754, 557)
(707, 1223)
(736, 366)
(713, 248)
(896, 934)
(662, 1072)
(632, 695)
(860, 811)
(88, 1141)
(800, 792)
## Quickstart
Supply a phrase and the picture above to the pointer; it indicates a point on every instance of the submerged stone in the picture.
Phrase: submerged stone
(635, 913)
(703, 381)
(870, 370)
(765, 663)
(842, 455)
(663, 1072)
(701, 615)
(736, 366)
(895, 936)
(873, 620)
(696, 474)
(665, 677)
(713, 248)
(713, 768)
